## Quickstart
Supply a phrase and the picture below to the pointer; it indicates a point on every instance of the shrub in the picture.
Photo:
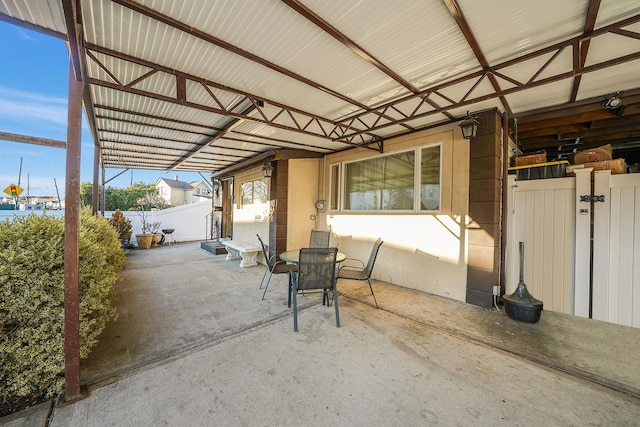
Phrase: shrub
(32, 297)
(122, 224)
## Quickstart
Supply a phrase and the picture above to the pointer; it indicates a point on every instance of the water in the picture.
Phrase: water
(57, 213)
(12, 214)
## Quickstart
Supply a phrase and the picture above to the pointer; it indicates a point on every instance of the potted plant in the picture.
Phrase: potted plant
(155, 231)
(144, 209)
(146, 204)
(122, 225)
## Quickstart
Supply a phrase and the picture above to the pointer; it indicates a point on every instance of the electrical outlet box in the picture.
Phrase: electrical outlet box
(496, 290)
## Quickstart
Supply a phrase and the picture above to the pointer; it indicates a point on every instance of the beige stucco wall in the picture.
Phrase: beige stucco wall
(302, 195)
(427, 252)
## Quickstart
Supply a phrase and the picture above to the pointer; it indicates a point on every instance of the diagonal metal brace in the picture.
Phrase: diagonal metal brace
(377, 143)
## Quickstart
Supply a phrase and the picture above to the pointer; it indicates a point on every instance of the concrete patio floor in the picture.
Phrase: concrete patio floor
(194, 345)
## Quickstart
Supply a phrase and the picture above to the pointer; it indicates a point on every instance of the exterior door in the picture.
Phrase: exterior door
(227, 208)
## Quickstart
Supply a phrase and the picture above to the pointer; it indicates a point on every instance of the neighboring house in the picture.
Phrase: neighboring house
(49, 202)
(178, 193)
(200, 191)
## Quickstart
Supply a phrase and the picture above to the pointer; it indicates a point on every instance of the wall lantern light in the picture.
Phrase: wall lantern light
(469, 127)
(267, 169)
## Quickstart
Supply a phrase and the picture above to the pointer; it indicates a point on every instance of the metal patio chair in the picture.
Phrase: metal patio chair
(274, 266)
(316, 272)
(362, 272)
(319, 239)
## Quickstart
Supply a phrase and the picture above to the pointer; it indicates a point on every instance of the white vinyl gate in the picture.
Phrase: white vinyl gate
(554, 218)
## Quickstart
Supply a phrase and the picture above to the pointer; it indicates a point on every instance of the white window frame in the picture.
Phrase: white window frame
(337, 186)
(340, 185)
(418, 176)
(253, 181)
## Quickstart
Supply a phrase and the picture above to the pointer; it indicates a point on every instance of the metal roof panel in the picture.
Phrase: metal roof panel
(162, 74)
(615, 79)
(43, 13)
(508, 28)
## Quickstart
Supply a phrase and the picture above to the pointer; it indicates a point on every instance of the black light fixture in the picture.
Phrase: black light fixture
(267, 169)
(613, 102)
(469, 127)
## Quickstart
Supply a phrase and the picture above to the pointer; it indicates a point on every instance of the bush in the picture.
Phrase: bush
(122, 225)
(32, 297)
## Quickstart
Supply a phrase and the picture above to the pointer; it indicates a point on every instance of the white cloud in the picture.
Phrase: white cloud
(32, 106)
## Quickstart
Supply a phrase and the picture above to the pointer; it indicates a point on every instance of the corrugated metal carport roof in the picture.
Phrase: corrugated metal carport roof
(207, 84)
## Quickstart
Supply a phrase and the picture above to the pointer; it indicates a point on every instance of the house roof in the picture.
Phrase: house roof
(175, 184)
(207, 84)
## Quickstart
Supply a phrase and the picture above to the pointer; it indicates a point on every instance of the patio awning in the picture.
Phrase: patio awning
(207, 84)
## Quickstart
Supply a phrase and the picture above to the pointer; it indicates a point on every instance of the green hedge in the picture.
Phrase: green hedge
(32, 297)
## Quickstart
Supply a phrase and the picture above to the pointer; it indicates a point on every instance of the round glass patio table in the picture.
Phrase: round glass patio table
(292, 256)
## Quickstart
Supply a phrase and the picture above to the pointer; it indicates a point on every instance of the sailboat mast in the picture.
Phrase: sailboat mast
(20, 172)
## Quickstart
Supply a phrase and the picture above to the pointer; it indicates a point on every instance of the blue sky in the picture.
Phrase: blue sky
(33, 101)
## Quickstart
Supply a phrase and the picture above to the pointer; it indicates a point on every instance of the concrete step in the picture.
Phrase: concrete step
(213, 246)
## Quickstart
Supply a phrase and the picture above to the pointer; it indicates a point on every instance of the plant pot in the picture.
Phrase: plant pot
(157, 239)
(125, 239)
(521, 305)
(144, 240)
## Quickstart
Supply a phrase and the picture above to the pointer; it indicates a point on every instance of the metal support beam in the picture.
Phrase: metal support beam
(102, 189)
(14, 137)
(72, 243)
(96, 182)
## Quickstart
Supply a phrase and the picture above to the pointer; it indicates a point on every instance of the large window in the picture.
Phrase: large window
(405, 181)
(254, 192)
(380, 184)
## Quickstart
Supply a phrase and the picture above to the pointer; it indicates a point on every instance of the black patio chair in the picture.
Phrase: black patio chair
(362, 272)
(316, 272)
(274, 266)
(319, 239)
